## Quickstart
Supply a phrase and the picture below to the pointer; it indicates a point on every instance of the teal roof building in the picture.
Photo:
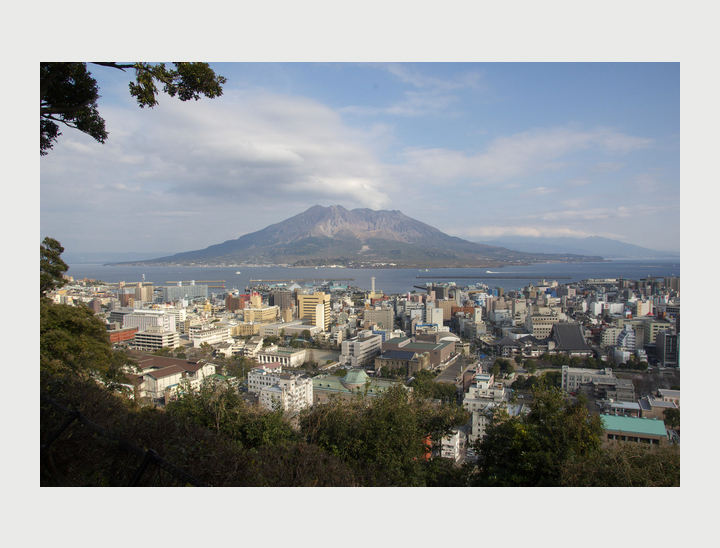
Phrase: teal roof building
(354, 382)
(634, 429)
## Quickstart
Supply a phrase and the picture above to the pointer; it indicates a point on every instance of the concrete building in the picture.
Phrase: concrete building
(669, 395)
(652, 408)
(263, 376)
(259, 315)
(282, 298)
(450, 446)
(408, 361)
(666, 348)
(293, 327)
(484, 390)
(315, 308)
(652, 326)
(440, 352)
(597, 383)
(156, 337)
(287, 357)
(620, 429)
(355, 382)
(143, 318)
(289, 392)
(209, 334)
(382, 317)
(540, 325)
(176, 293)
(163, 376)
(360, 351)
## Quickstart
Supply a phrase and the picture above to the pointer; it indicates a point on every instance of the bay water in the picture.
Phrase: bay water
(387, 280)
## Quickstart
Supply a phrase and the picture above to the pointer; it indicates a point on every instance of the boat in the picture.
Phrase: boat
(238, 272)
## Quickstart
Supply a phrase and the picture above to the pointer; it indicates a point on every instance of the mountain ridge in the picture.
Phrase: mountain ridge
(592, 244)
(358, 238)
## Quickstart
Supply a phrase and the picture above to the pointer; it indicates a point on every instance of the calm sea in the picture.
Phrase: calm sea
(388, 281)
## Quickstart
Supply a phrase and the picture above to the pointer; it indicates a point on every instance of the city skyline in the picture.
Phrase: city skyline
(477, 150)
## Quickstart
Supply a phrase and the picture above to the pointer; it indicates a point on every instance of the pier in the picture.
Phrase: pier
(303, 280)
(496, 277)
(184, 282)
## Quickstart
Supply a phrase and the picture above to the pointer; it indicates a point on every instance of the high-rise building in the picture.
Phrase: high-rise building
(281, 298)
(308, 308)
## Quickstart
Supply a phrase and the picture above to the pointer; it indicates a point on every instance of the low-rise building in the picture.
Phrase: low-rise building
(156, 337)
(163, 376)
(209, 334)
(287, 357)
(651, 408)
(355, 382)
(634, 430)
(360, 351)
(409, 362)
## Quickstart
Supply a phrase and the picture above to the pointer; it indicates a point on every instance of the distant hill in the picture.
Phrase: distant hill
(593, 245)
(357, 238)
(100, 257)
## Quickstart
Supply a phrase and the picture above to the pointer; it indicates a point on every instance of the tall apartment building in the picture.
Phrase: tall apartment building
(179, 292)
(315, 307)
(666, 348)
(282, 298)
(626, 338)
(383, 317)
(144, 292)
(652, 326)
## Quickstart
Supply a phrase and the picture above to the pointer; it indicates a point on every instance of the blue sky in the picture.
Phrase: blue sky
(477, 150)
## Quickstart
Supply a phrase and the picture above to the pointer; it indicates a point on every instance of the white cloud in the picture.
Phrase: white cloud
(510, 157)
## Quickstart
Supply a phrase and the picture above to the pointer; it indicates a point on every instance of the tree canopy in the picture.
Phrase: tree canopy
(69, 93)
(531, 450)
(52, 267)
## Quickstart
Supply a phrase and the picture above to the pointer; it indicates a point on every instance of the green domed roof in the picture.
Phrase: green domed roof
(355, 378)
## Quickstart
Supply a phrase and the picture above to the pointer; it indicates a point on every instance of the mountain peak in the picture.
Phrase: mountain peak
(358, 237)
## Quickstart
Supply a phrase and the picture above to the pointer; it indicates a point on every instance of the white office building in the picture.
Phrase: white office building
(360, 351)
(289, 392)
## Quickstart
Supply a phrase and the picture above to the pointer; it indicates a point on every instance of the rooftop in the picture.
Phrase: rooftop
(634, 425)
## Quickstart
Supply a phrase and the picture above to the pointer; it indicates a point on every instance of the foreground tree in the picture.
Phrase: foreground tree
(383, 439)
(531, 450)
(52, 267)
(625, 465)
(69, 93)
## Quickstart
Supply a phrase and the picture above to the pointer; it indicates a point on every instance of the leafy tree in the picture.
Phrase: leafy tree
(52, 267)
(218, 406)
(551, 378)
(531, 366)
(672, 418)
(73, 340)
(625, 465)
(164, 351)
(383, 439)
(69, 93)
(531, 450)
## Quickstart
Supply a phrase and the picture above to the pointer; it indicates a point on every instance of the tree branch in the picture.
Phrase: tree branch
(66, 110)
(113, 65)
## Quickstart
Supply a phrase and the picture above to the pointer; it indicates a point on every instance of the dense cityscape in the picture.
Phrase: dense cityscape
(287, 348)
